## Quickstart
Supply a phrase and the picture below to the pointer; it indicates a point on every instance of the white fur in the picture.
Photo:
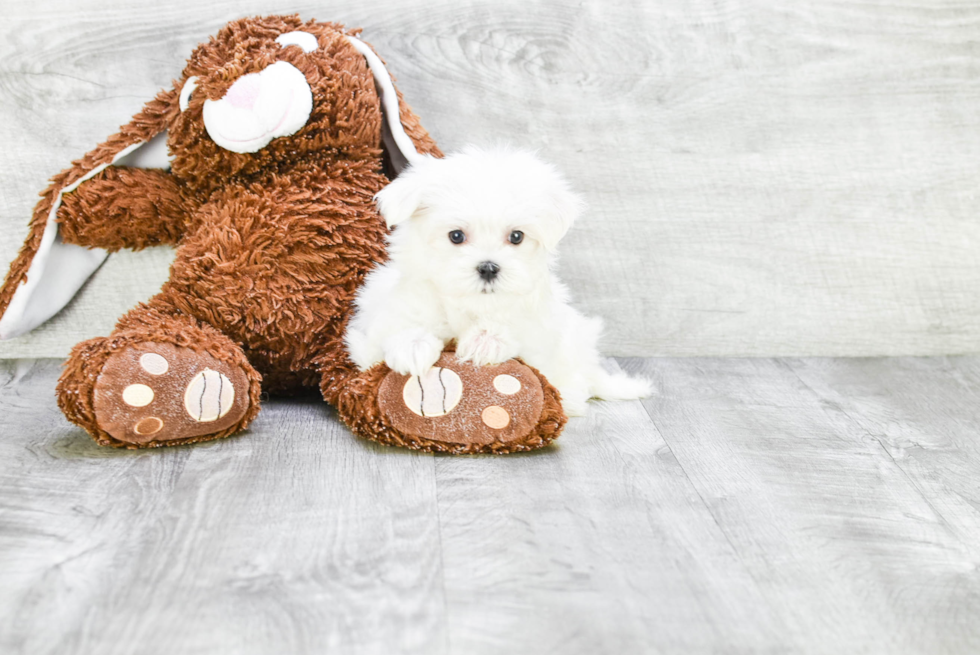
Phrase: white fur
(429, 292)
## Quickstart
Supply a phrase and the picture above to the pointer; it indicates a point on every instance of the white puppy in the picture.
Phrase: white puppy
(471, 259)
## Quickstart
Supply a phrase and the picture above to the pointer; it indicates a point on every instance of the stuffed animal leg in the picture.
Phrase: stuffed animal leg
(456, 408)
(161, 378)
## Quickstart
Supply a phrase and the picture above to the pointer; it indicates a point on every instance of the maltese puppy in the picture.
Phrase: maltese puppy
(472, 254)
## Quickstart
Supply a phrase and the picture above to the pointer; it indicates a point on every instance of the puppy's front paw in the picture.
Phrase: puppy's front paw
(412, 352)
(482, 347)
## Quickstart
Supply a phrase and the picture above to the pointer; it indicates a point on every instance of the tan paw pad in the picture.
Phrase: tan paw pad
(507, 384)
(154, 364)
(495, 417)
(137, 395)
(149, 425)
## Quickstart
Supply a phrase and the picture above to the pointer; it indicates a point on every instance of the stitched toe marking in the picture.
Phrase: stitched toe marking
(434, 394)
(209, 396)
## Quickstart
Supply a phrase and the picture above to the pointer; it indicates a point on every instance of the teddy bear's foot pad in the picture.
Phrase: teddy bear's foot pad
(161, 392)
(457, 403)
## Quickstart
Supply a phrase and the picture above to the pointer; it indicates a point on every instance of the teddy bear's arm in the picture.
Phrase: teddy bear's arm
(124, 207)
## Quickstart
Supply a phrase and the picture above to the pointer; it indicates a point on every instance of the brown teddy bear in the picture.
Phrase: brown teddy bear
(260, 166)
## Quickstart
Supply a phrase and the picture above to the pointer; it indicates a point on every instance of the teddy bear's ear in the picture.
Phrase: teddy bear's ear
(401, 149)
(47, 272)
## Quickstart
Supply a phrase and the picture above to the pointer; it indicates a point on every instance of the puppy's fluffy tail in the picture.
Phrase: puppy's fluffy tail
(619, 386)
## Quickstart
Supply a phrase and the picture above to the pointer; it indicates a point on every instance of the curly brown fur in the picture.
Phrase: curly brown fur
(125, 208)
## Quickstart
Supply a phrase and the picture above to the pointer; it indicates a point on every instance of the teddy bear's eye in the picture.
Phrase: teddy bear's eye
(186, 92)
(516, 237)
(304, 40)
(457, 237)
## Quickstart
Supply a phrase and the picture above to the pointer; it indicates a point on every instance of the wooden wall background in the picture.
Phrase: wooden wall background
(764, 178)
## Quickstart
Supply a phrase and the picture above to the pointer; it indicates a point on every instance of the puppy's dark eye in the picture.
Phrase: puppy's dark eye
(516, 237)
(457, 237)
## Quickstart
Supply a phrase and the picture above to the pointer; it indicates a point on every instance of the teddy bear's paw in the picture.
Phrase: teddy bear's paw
(459, 407)
(158, 392)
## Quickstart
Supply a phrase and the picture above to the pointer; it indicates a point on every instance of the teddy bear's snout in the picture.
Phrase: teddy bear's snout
(244, 92)
(258, 108)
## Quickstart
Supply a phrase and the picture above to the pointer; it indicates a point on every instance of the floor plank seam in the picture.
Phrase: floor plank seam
(442, 554)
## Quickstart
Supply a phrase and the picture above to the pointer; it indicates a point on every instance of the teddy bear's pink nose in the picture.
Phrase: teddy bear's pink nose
(244, 92)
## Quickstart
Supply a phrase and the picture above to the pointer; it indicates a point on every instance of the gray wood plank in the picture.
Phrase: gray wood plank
(764, 178)
(293, 538)
(840, 538)
(599, 544)
(925, 414)
(752, 506)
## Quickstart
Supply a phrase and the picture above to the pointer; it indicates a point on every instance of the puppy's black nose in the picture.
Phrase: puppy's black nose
(488, 271)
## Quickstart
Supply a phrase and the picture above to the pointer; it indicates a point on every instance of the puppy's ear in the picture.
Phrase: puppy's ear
(563, 207)
(399, 201)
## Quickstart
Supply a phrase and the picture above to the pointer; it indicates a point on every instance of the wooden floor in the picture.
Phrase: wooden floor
(752, 506)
